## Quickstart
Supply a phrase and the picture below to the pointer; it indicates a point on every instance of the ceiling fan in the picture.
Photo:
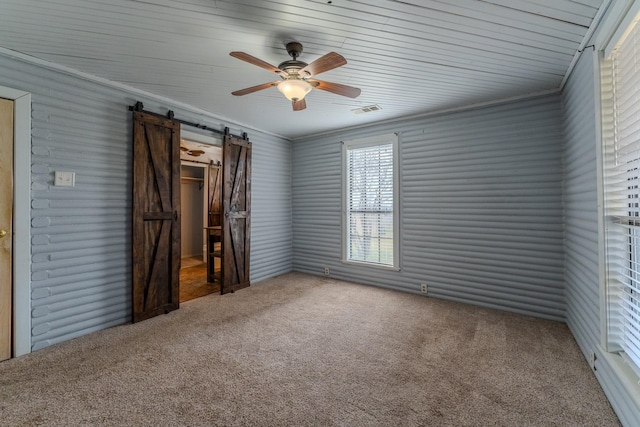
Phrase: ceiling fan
(296, 81)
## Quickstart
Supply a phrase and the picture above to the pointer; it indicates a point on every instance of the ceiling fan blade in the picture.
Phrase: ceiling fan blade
(337, 88)
(252, 89)
(299, 105)
(259, 62)
(325, 63)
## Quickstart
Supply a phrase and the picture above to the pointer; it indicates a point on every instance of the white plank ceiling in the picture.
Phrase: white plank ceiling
(409, 57)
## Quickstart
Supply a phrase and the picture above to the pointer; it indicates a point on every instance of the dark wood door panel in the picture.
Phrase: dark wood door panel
(236, 199)
(156, 216)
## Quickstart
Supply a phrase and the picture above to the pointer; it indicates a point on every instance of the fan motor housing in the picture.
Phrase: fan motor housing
(292, 66)
(294, 49)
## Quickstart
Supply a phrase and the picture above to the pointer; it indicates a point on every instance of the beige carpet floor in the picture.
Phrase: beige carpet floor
(301, 350)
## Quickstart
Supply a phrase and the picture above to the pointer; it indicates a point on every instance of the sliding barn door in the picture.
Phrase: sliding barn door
(156, 216)
(236, 205)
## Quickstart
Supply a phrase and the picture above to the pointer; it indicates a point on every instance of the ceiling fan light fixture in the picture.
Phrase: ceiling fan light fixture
(294, 90)
(294, 74)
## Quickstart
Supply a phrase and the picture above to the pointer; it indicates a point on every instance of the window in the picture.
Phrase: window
(621, 143)
(370, 201)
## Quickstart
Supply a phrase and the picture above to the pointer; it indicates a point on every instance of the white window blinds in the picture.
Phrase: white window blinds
(621, 129)
(370, 204)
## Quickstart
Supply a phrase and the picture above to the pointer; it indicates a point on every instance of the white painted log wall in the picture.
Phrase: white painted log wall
(480, 212)
(81, 244)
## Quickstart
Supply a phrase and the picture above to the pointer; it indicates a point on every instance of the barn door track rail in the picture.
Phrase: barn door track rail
(170, 115)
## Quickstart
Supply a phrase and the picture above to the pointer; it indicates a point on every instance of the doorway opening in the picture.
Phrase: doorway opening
(157, 212)
(201, 159)
(6, 228)
(20, 267)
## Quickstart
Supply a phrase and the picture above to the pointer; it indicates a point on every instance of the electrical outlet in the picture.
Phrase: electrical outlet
(327, 271)
(423, 288)
(592, 360)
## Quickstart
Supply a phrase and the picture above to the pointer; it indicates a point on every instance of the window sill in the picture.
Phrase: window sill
(371, 265)
(627, 379)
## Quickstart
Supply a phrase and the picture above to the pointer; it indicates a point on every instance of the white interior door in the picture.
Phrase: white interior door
(6, 227)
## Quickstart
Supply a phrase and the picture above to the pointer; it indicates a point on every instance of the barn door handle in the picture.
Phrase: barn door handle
(175, 215)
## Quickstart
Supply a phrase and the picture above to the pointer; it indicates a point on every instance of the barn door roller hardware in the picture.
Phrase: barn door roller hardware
(138, 106)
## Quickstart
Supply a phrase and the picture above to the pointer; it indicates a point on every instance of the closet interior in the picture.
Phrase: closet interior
(200, 203)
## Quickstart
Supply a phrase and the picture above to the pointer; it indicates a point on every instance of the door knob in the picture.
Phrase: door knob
(3, 233)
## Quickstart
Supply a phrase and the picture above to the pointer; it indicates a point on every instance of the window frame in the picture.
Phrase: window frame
(364, 143)
(611, 297)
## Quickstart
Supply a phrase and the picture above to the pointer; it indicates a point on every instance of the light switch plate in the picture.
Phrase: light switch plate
(64, 179)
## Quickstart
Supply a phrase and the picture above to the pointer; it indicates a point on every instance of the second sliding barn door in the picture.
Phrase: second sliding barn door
(236, 206)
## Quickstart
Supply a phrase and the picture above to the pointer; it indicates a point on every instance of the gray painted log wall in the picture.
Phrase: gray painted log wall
(581, 232)
(480, 206)
(81, 244)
